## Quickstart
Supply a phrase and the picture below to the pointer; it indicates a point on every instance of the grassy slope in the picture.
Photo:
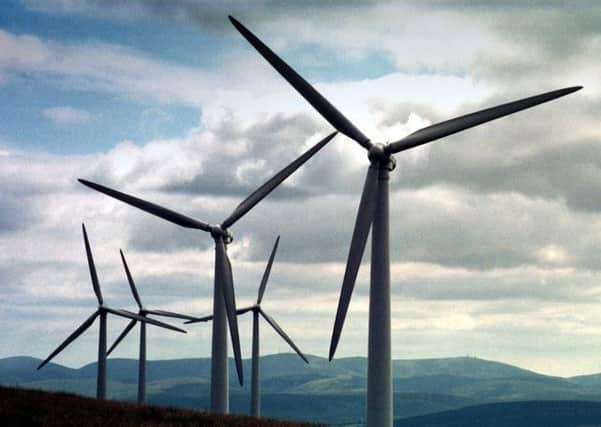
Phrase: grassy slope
(19, 407)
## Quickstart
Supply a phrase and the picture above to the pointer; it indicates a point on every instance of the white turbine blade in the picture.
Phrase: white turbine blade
(122, 335)
(267, 271)
(458, 124)
(80, 330)
(313, 97)
(171, 314)
(283, 334)
(129, 315)
(130, 279)
(152, 208)
(264, 190)
(92, 266)
(226, 282)
(361, 231)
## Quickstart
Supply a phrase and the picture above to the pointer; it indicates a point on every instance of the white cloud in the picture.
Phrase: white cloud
(100, 66)
(67, 115)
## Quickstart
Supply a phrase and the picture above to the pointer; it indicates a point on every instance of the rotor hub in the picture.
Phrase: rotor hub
(219, 233)
(378, 156)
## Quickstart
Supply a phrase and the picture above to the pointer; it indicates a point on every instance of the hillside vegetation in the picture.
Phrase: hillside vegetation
(19, 407)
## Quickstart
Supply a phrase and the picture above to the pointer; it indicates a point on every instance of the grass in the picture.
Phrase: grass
(21, 407)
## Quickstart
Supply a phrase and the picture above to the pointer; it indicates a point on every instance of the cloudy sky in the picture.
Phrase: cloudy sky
(495, 238)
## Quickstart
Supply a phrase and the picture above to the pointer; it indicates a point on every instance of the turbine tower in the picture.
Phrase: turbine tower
(100, 312)
(224, 305)
(143, 312)
(373, 212)
(255, 393)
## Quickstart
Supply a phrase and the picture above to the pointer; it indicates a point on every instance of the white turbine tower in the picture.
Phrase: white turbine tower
(373, 213)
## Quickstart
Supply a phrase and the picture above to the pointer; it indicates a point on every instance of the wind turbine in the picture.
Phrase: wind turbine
(224, 304)
(255, 396)
(101, 312)
(142, 312)
(373, 211)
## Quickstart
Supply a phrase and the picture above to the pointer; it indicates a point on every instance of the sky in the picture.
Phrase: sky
(495, 242)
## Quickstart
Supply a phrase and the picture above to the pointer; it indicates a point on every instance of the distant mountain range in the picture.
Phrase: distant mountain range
(327, 392)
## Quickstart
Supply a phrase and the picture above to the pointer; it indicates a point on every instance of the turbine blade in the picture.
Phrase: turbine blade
(267, 271)
(123, 334)
(132, 285)
(281, 332)
(92, 267)
(321, 104)
(171, 314)
(151, 208)
(467, 121)
(80, 330)
(200, 319)
(226, 282)
(244, 310)
(262, 192)
(129, 315)
(209, 318)
(363, 222)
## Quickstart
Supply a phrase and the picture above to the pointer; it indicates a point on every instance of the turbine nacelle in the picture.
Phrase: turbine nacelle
(378, 155)
(217, 231)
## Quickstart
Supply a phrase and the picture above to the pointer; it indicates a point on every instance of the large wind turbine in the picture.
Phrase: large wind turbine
(373, 211)
(101, 312)
(142, 312)
(255, 394)
(223, 290)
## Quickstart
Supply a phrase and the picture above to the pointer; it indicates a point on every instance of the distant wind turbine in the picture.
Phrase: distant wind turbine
(142, 312)
(255, 394)
(101, 312)
(374, 210)
(223, 289)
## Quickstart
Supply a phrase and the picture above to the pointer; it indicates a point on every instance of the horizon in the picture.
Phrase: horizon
(231, 361)
(493, 230)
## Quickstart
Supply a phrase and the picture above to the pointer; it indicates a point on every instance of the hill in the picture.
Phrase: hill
(513, 414)
(20, 407)
(327, 392)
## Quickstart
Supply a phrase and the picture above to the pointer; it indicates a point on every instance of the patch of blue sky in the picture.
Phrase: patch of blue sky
(318, 63)
(113, 118)
(169, 41)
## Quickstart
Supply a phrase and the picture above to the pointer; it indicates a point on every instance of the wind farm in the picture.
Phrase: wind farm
(475, 301)
(224, 304)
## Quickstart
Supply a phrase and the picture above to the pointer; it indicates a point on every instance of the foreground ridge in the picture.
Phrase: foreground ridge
(34, 407)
